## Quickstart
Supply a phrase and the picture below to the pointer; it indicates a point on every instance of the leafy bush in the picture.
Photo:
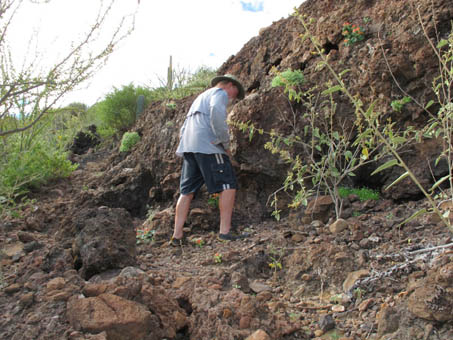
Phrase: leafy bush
(352, 34)
(290, 80)
(397, 105)
(37, 155)
(129, 140)
(117, 111)
(23, 170)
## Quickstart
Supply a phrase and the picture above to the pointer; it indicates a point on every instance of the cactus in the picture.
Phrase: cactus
(140, 106)
(170, 75)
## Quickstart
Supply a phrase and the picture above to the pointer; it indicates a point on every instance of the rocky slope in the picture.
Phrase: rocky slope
(71, 268)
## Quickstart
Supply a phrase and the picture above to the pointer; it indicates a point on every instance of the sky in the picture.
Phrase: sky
(195, 33)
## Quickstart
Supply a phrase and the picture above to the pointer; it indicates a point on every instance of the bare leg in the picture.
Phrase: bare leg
(182, 209)
(226, 204)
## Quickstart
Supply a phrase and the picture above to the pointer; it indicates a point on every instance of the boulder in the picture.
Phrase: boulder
(121, 319)
(105, 239)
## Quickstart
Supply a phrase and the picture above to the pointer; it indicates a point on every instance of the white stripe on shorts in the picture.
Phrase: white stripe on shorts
(219, 158)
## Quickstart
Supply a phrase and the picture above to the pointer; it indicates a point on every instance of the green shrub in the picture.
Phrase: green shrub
(290, 80)
(129, 140)
(24, 169)
(117, 111)
(397, 105)
(31, 158)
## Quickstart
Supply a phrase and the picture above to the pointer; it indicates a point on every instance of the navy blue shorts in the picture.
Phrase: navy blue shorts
(213, 169)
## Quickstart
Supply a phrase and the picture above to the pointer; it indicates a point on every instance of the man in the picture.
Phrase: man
(205, 147)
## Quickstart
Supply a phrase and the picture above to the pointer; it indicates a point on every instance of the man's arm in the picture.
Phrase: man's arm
(218, 116)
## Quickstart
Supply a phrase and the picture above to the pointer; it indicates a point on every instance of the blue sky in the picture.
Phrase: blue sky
(195, 33)
(256, 6)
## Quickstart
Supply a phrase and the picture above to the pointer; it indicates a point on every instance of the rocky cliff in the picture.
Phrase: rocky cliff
(393, 61)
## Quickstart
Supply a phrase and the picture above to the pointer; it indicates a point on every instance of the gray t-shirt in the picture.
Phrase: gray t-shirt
(205, 129)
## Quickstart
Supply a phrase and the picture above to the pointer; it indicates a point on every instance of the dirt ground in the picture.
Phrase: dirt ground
(289, 279)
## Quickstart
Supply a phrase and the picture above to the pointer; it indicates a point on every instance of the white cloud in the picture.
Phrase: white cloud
(195, 33)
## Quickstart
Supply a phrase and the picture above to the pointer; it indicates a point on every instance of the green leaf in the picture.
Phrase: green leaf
(365, 153)
(439, 182)
(316, 132)
(332, 89)
(442, 43)
(348, 155)
(351, 174)
(362, 136)
(399, 140)
(335, 172)
(370, 110)
(399, 179)
(251, 131)
(342, 73)
(413, 216)
(384, 166)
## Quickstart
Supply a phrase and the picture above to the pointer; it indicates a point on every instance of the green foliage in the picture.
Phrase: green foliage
(33, 157)
(288, 78)
(364, 194)
(218, 258)
(129, 140)
(397, 105)
(213, 200)
(352, 34)
(198, 242)
(291, 81)
(117, 111)
(145, 235)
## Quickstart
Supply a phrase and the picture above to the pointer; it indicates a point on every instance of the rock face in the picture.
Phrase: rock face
(105, 239)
